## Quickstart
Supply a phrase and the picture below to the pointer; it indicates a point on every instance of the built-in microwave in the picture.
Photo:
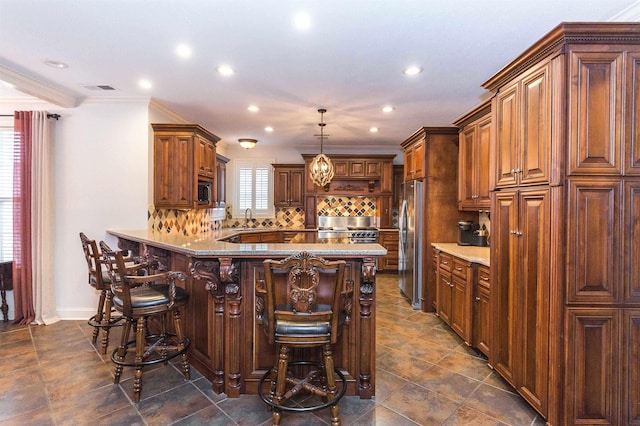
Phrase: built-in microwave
(204, 192)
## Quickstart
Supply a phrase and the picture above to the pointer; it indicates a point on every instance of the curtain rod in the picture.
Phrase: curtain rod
(56, 116)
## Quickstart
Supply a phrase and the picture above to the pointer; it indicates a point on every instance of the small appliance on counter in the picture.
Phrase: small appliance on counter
(470, 234)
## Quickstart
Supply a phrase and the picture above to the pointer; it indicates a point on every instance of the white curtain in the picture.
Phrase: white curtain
(42, 219)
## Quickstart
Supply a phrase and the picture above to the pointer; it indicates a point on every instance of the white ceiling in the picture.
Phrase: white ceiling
(350, 61)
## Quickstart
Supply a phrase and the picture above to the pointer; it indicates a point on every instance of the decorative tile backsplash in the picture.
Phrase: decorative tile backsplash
(197, 222)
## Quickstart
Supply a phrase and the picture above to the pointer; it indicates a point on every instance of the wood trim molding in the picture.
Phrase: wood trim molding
(39, 89)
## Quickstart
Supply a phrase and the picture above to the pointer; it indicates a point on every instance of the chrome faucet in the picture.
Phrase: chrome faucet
(246, 220)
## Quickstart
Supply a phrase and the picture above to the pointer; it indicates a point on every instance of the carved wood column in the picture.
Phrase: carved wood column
(367, 330)
(209, 271)
(233, 323)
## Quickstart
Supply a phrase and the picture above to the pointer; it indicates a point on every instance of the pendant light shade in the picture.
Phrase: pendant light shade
(321, 167)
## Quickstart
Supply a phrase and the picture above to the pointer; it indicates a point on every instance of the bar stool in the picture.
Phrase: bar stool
(302, 298)
(100, 280)
(139, 295)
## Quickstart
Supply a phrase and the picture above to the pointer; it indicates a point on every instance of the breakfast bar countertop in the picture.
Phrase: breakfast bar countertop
(209, 244)
(471, 253)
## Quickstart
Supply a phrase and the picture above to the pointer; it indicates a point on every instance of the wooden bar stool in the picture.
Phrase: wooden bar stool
(140, 295)
(100, 280)
(303, 308)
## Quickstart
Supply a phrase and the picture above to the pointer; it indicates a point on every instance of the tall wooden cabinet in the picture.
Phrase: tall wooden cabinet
(476, 131)
(183, 155)
(565, 245)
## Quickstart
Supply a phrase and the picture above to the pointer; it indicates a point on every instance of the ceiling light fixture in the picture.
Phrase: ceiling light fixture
(55, 64)
(268, 129)
(247, 143)
(302, 21)
(183, 51)
(145, 84)
(321, 167)
(387, 108)
(412, 70)
(374, 130)
(225, 70)
(253, 108)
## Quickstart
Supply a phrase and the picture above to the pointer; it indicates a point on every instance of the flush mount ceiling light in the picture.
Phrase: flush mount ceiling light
(412, 70)
(225, 70)
(183, 51)
(55, 64)
(247, 143)
(321, 167)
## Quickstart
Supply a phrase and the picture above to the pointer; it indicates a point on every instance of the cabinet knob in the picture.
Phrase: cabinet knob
(512, 232)
(450, 285)
(518, 233)
(477, 299)
(458, 268)
(484, 278)
(513, 171)
(444, 262)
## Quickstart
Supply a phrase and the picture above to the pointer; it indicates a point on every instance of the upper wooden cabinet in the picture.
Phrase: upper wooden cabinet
(288, 185)
(183, 154)
(414, 160)
(473, 158)
(221, 180)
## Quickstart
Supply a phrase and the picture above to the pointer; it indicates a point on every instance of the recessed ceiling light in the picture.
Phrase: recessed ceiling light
(183, 51)
(225, 70)
(55, 64)
(374, 130)
(412, 70)
(145, 84)
(302, 21)
(253, 108)
(268, 129)
(387, 108)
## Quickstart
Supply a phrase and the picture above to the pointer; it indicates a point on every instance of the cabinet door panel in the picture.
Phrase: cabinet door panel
(296, 186)
(281, 188)
(481, 166)
(466, 167)
(536, 128)
(632, 117)
(507, 135)
(631, 251)
(443, 281)
(592, 368)
(631, 367)
(533, 293)
(503, 299)
(481, 312)
(595, 103)
(594, 245)
(418, 160)
(460, 320)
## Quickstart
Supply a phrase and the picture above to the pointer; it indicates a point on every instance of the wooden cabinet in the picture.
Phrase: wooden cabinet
(221, 180)
(288, 185)
(455, 288)
(398, 178)
(183, 154)
(482, 310)
(414, 160)
(565, 292)
(385, 211)
(473, 159)
(523, 126)
(389, 239)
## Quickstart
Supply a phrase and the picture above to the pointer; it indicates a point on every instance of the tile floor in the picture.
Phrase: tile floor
(425, 375)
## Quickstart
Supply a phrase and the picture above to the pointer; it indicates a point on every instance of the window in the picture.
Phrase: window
(6, 192)
(254, 189)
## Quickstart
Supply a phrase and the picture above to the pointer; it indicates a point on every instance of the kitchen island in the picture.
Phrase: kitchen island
(222, 318)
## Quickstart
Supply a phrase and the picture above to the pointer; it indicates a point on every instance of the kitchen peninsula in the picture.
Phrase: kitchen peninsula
(222, 318)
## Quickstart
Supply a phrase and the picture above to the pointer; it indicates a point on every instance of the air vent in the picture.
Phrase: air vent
(99, 87)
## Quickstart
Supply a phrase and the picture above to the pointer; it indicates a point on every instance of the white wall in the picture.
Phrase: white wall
(101, 182)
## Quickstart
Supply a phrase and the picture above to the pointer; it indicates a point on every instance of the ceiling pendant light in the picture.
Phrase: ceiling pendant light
(321, 167)
(247, 143)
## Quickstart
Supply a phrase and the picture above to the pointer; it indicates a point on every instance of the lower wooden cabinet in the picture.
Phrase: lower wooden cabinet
(389, 240)
(462, 297)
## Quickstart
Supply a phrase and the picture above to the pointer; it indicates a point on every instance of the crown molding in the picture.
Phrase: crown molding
(159, 107)
(38, 88)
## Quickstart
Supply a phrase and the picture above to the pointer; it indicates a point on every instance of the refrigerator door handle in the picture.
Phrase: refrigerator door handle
(403, 227)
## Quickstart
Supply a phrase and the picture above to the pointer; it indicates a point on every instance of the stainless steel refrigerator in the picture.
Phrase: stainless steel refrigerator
(410, 253)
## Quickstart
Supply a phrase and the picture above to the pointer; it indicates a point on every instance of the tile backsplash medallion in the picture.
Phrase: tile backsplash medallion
(197, 222)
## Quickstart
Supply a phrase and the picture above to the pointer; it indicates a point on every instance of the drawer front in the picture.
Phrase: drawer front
(460, 268)
(445, 262)
(484, 276)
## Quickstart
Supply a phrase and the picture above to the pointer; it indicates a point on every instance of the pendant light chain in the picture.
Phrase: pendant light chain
(321, 168)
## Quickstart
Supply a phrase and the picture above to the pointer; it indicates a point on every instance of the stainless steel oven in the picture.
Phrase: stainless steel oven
(355, 229)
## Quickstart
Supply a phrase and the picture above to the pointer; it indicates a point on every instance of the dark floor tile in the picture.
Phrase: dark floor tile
(168, 407)
(401, 364)
(14, 335)
(210, 415)
(382, 416)
(495, 380)
(350, 408)
(126, 416)
(465, 416)
(86, 407)
(155, 381)
(423, 406)
(22, 401)
(446, 382)
(246, 410)
(13, 381)
(467, 365)
(501, 405)
(41, 417)
(205, 387)
(15, 349)
(387, 384)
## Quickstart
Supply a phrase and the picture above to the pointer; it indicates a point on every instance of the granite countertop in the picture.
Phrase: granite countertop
(470, 253)
(209, 244)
